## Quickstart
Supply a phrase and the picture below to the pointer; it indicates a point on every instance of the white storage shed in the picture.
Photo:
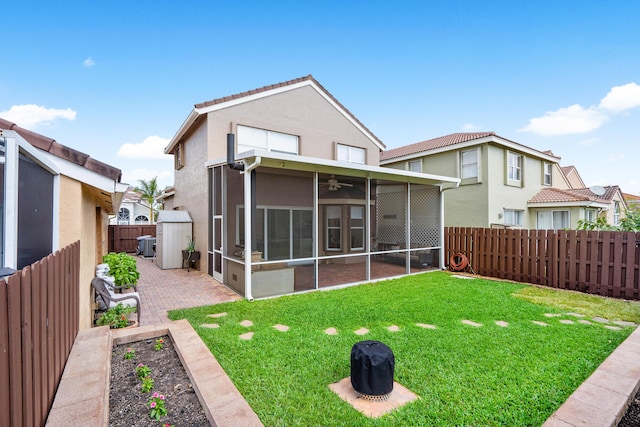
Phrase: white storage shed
(173, 230)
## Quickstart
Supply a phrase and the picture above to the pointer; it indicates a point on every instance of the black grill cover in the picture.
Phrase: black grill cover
(372, 365)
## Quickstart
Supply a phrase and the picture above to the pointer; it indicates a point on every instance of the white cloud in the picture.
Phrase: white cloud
(89, 62)
(164, 176)
(31, 115)
(151, 148)
(467, 127)
(564, 121)
(614, 157)
(622, 98)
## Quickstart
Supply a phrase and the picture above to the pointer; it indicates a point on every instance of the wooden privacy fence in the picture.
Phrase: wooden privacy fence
(39, 318)
(124, 238)
(605, 263)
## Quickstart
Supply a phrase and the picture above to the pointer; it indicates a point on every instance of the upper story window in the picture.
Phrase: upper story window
(547, 173)
(513, 217)
(123, 216)
(178, 156)
(469, 164)
(347, 153)
(415, 165)
(514, 168)
(616, 213)
(253, 138)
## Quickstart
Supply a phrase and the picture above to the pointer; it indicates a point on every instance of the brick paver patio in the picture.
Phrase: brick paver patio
(164, 290)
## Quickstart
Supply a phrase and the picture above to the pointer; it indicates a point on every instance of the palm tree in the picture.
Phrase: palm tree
(148, 191)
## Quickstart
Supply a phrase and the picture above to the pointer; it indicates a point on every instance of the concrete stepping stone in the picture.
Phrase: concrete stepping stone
(210, 325)
(613, 328)
(576, 315)
(623, 323)
(361, 331)
(567, 322)
(426, 325)
(471, 323)
(247, 336)
(457, 276)
(502, 323)
(281, 328)
(552, 314)
(393, 328)
(331, 331)
(539, 323)
(600, 320)
(246, 323)
(585, 322)
(216, 315)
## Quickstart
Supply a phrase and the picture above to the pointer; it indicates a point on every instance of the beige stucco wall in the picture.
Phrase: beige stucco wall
(79, 221)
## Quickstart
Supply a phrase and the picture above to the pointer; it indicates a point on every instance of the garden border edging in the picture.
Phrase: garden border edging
(83, 394)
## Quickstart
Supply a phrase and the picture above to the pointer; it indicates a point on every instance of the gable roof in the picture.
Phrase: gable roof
(250, 95)
(62, 151)
(457, 140)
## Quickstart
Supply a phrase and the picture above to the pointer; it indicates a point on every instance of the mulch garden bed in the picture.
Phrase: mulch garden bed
(631, 418)
(129, 406)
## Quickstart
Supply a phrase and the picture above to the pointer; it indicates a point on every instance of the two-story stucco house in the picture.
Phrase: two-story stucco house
(133, 210)
(51, 196)
(286, 194)
(506, 184)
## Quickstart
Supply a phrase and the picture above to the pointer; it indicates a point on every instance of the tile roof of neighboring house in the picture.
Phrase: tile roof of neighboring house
(450, 140)
(632, 198)
(51, 146)
(284, 84)
(556, 195)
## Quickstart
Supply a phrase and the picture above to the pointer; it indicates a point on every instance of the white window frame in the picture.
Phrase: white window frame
(414, 165)
(123, 219)
(348, 153)
(547, 173)
(141, 219)
(513, 217)
(554, 220)
(591, 215)
(616, 213)
(515, 163)
(250, 138)
(356, 229)
(463, 164)
(328, 227)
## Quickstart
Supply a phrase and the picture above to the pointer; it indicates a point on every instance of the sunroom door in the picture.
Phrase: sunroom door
(217, 223)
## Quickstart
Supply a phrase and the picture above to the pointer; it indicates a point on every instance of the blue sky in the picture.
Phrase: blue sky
(116, 79)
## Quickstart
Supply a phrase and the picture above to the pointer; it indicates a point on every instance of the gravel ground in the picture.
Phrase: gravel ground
(128, 406)
(632, 416)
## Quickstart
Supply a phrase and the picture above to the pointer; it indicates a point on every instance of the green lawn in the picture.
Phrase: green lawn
(464, 375)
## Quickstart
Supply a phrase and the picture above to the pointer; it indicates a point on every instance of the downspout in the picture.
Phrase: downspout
(249, 232)
(442, 190)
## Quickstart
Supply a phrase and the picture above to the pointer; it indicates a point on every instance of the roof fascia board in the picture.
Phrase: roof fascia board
(479, 141)
(329, 166)
(585, 203)
(86, 176)
(41, 157)
(188, 122)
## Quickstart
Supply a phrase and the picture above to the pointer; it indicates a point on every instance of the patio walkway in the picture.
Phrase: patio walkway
(164, 290)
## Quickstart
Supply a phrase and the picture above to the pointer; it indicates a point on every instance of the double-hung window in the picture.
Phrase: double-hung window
(547, 173)
(334, 228)
(415, 165)
(552, 220)
(514, 168)
(469, 164)
(357, 227)
(513, 217)
(347, 153)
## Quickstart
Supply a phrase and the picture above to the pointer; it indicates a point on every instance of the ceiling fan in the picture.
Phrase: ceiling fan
(334, 184)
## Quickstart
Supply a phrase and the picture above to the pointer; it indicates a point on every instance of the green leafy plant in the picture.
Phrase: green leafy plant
(157, 408)
(191, 245)
(147, 384)
(123, 268)
(116, 317)
(130, 354)
(142, 371)
(159, 344)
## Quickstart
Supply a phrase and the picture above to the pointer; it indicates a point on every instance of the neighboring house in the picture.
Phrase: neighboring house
(133, 210)
(633, 201)
(507, 184)
(302, 203)
(498, 176)
(51, 196)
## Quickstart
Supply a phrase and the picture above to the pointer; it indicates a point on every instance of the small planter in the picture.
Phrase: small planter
(190, 259)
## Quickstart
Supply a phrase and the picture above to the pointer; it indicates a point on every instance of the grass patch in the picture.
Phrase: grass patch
(489, 376)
